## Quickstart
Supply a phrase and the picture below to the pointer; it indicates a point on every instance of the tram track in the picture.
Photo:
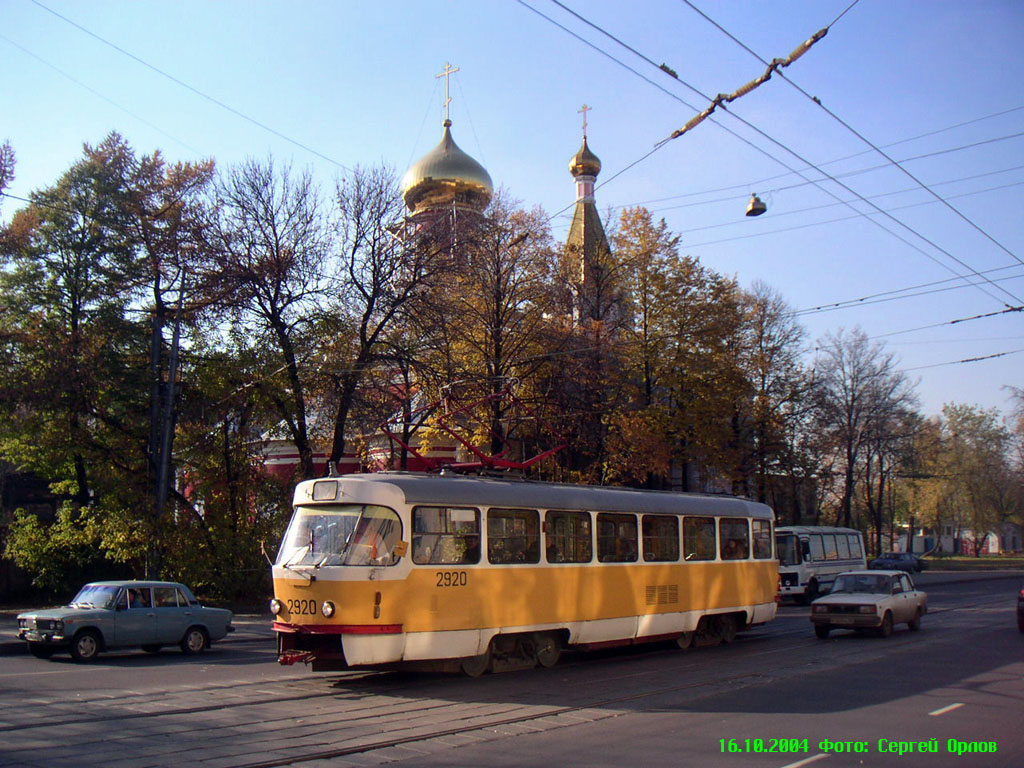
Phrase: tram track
(370, 712)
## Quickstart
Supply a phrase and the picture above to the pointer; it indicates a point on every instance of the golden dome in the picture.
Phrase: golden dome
(446, 176)
(584, 162)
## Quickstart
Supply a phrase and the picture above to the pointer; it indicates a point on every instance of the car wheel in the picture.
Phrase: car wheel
(812, 592)
(822, 630)
(886, 629)
(915, 623)
(86, 646)
(152, 648)
(194, 641)
(41, 651)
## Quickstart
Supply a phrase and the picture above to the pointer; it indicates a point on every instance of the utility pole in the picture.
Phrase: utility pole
(165, 430)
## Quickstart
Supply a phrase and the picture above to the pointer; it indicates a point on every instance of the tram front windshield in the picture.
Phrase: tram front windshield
(787, 545)
(346, 534)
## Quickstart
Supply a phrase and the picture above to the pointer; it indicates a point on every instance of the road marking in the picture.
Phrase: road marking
(944, 710)
(807, 761)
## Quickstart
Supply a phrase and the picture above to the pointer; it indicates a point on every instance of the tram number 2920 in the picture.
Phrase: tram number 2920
(451, 579)
(302, 607)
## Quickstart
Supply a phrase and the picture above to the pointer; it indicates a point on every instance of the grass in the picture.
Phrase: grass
(983, 563)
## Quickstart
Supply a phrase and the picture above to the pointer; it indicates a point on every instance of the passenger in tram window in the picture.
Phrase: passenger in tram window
(472, 549)
(732, 550)
(554, 554)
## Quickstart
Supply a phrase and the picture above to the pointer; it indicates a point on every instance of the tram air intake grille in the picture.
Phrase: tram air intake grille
(662, 594)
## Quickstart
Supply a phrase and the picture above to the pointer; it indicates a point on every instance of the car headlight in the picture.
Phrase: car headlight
(867, 609)
(819, 609)
(58, 625)
(327, 609)
(276, 606)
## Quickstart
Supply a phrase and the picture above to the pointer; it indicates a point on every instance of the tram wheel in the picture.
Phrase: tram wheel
(685, 640)
(547, 649)
(729, 628)
(474, 666)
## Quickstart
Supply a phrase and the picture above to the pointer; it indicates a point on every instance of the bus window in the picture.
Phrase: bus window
(445, 535)
(787, 545)
(817, 550)
(734, 538)
(698, 538)
(568, 537)
(828, 541)
(843, 547)
(513, 536)
(855, 548)
(762, 536)
(661, 538)
(616, 538)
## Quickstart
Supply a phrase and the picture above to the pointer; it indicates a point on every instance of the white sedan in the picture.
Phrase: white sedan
(869, 600)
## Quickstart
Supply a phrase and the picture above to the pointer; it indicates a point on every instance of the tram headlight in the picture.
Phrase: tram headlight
(327, 609)
(276, 606)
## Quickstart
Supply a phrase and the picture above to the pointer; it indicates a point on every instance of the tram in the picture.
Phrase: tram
(478, 573)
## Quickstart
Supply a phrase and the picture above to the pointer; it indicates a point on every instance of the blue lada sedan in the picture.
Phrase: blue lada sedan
(124, 614)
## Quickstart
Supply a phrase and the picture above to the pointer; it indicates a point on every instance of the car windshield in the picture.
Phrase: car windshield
(95, 596)
(863, 584)
(786, 544)
(347, 534)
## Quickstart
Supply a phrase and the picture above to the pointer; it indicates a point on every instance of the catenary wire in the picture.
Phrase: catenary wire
(785, 148)
(194, 90)
(890, 161)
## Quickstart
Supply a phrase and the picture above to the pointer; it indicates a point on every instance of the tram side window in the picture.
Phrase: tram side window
(616, 538)
(445, 535)
(843, 547)
(513, 536)
(828, 542)
(855, 547)
(734, 538)
(698, 538)
(761, 531)
(568, 537)
(661, 538)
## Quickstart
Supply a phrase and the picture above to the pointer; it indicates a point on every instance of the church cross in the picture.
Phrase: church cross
(448, 72)
(584, 109)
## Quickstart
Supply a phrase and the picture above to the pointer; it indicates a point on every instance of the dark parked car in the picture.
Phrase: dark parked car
(1020, 609)
(898, 561)
(124, 614)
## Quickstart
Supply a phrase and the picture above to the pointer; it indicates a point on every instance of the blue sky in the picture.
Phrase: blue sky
(935, 83)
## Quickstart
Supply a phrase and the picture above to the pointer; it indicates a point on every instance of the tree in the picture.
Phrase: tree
(7, 162)
(981, 488)
(383, 274)
(861, 389)
(271, 250)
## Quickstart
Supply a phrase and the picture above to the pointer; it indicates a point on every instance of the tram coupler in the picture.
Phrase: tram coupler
(288, 658)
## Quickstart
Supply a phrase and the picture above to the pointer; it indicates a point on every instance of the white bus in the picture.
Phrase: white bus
(811, 556)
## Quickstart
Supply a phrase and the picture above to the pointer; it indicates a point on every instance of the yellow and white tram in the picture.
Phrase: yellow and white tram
(485, 573)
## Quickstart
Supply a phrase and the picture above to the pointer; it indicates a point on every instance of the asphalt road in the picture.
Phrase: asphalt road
(845, 701)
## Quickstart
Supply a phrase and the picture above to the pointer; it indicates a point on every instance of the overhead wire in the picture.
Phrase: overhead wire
(793, 56)
(193, 89)
(859, 135)
(96, 93)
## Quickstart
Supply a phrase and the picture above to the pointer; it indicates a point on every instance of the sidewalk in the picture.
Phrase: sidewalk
(249, 628)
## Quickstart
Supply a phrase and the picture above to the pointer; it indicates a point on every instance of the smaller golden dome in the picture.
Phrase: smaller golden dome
(584, 162)
(446, 176)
